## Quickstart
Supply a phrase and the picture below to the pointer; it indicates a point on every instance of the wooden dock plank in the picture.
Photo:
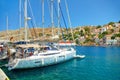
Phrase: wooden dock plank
(3, 76)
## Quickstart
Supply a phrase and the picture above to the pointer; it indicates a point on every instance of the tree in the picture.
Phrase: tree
(119, 21)
(87, 29)
(99, 26)
(113, 37)
(88, 40)
(105, 33)
(112, 30)
(77, 33)
(81, 33)
(100, 36)
(92, 35)
(76, 36)
(77, 41)
(111, 23)
(117, 35)
(48, 35)
(40, 34)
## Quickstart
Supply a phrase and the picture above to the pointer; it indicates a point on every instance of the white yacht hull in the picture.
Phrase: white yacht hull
(40, 60)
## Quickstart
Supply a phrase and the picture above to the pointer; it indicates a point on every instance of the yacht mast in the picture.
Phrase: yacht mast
(58, 17)
(52, 22)
(43, 16)
(7, 28)
(19, 19)
(25, 19)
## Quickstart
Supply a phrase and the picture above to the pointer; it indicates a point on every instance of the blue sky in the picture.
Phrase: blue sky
(82, 12)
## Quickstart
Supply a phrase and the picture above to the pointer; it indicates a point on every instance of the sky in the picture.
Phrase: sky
(82, 13)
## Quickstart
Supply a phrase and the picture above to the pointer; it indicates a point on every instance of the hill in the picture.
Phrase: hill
(83, 35)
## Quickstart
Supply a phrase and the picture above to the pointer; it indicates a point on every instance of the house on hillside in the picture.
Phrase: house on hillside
(97, 31)
(110, 41)
(82, 39)
(117, 24)
(107, 28)
(118, 41)
(103, 29)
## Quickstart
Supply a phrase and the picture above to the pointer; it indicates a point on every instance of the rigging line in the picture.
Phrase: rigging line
(22, 8)
(49, 7)
(7, 28)
(55, 10)
(52, 16)
(64, 24)
(70, 25)
(7, 32)
(62, 33)
(33, 27)
(32, 21)
(32, 13)
(63, 19)
(31, 31)
(60, 23)
(58, 18)
(69, 19)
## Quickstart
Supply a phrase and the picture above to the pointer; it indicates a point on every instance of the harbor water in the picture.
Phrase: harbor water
(100, 63)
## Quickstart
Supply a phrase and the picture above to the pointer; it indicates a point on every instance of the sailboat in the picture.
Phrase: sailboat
(34, 55)
(3, 53)
(4, 50)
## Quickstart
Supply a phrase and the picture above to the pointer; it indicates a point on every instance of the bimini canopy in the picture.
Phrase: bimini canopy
(29, 45)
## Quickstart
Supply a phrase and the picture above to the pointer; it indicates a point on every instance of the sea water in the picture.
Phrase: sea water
(100, 63)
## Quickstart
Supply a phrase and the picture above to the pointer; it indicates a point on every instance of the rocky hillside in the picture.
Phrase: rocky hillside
(15, 35)
(83, 35)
